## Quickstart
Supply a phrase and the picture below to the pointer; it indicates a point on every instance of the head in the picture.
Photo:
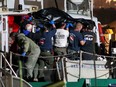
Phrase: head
(79, 26)
(29, 27)
(46, 29)
(12, 38)
(10, 20)
(62, 25)
(10, 30)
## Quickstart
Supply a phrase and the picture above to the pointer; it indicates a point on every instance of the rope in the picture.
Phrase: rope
(34, 69)
(68, 67)
(87, 78)
(67, 60)
(66, 55)
(56, 68)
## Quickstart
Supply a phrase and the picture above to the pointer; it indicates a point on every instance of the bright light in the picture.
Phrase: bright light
(108, 1)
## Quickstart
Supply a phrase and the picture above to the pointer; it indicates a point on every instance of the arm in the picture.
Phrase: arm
(82, 41)
(52, 23)
(26, 46)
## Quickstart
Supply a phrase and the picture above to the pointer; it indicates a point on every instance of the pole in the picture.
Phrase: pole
(20, 72)
(56, 3)
(91, 9)
(9, 65)
(94, 60)
(80, 64)
(63, 69)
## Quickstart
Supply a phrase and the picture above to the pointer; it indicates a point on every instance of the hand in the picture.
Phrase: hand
(69, 25)
(23, 54)
(26, 32)
(52, 22)
(30, 18)
(85, 39)
(37, 30)
(41, 25)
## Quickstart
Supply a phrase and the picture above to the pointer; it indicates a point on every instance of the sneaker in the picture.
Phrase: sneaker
(35, 80)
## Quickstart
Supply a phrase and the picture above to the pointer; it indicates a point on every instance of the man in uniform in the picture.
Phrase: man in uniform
(89, 47)
(46, 47)
(75, 40)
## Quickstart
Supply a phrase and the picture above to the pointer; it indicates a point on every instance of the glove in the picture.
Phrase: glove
(41, 25)
(30, 19)
(23, 54)
(85, 39)
(26, 32)
(69, 25)
(37, 30)
(52, 22)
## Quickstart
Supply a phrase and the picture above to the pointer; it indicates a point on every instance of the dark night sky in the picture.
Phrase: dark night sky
(104, 3)
(105, 11)
(105, 15)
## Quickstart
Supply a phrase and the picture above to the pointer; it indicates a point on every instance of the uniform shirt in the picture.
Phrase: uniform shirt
(61, 37)
(46, 40)
(34, 36)
(90, 41)
(74, 40)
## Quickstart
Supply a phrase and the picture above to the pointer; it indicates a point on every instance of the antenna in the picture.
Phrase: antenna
(56, 3)
(91, 9)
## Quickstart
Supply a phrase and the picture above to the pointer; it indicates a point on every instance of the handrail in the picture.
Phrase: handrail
(9, 65)
(66, 60)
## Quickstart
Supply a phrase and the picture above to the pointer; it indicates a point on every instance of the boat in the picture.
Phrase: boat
(75, 73)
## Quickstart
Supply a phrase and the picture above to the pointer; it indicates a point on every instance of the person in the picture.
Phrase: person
(89, 47)
(12, 25)
(30, 50)
(60, 45)
(46, 47)
(75, 40)
(35, 36)
(61, 40)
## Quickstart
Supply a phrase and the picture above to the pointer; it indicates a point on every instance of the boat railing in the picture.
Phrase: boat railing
(72, 70)
(10, 78)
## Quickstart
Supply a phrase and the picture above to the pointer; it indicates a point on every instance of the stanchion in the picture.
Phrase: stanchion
(63, 70)
(11, 61)
(58, 70)
(20, 69)
(80, 64)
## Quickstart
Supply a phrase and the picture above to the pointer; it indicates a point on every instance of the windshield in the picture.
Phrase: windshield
(78, 6)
